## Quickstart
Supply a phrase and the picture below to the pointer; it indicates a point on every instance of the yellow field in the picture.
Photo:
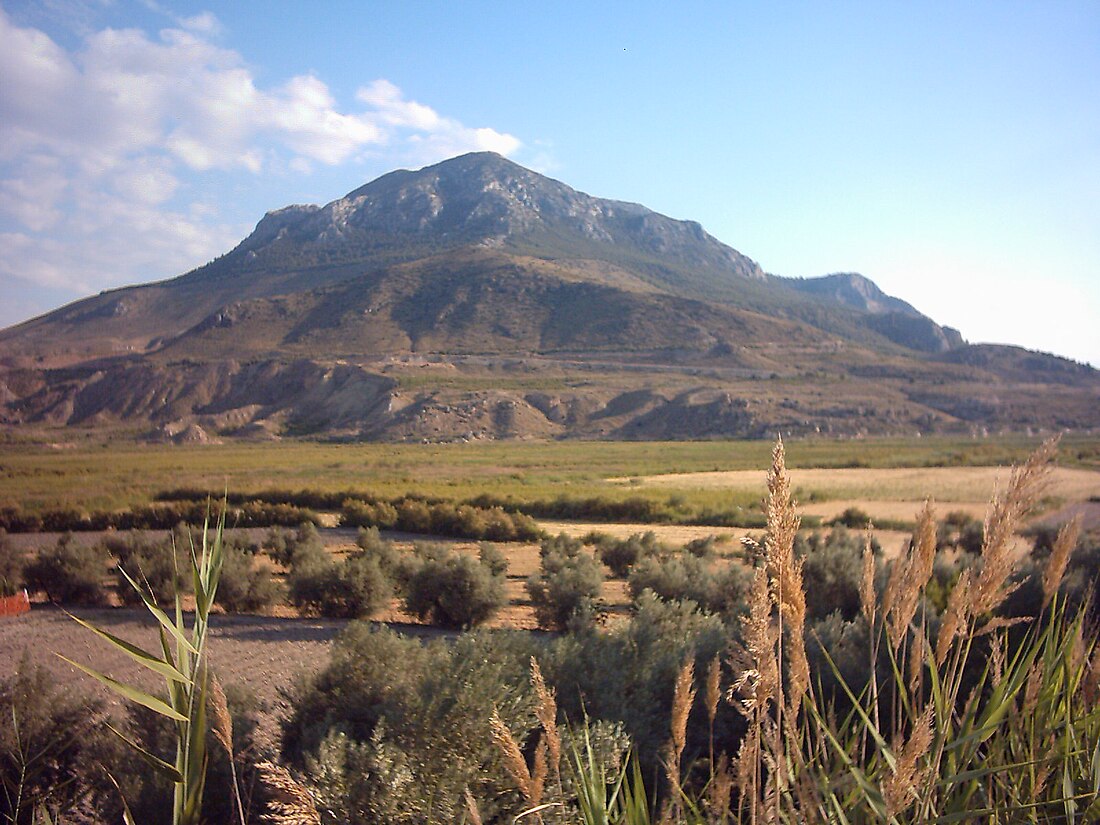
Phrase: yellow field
(882, 493)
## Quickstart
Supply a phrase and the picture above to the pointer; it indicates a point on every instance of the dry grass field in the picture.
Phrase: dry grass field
(884, 493)
(270, 652)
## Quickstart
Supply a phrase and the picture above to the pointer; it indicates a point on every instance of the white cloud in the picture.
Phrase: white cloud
(147, 180)
(435, 137)
(31, 197)
(117, 241)
(127, 94)
(205, 22)
(99, 147)
(304, 111)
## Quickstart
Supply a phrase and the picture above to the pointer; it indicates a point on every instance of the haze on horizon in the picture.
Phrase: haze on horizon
(950, 154)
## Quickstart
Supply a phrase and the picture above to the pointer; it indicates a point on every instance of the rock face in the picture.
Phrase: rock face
(478, 299)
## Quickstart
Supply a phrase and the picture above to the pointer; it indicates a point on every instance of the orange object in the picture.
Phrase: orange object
(14, 605)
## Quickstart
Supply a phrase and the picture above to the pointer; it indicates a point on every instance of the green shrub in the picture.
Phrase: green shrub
(833, 565)
(373, 546)
(846, 643)
(620, 555)
(149, 793)
(491, 557)
(414, 516)
(51, 748)
(378, 514)
(351, 589)
(245, 586)
(11, 566)
(565, 589)
(960, 529)
(852, 518)
(160, 566)
(731, 589)
(702, 548)
(15, 520)
(627, 675)
(69, 573)
(394, 730)
(687, 578)
(597, 537)
(286, 548)
(441, 518)
(454, 590)
(673, 579)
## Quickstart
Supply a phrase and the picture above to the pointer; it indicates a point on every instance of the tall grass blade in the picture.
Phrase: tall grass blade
(131, 693)
(143, 658)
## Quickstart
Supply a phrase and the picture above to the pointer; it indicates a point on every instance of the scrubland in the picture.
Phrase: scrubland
(944, 670)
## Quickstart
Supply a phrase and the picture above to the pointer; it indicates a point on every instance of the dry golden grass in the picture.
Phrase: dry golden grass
(973, 485)
(675, 534)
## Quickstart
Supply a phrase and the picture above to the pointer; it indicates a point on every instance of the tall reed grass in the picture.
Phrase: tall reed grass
(964, 717)
(183, 663)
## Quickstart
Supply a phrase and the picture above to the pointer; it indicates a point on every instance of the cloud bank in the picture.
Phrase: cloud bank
(101, 147)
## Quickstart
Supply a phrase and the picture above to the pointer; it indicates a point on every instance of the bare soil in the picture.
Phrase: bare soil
(266, 654)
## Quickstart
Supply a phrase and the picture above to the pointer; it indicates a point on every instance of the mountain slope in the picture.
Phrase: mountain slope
(477, 201)
(476, 298)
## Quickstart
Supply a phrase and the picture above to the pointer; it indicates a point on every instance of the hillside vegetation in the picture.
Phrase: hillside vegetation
(826, 682)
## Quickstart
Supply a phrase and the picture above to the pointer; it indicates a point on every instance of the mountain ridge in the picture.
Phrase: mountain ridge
(440, 281)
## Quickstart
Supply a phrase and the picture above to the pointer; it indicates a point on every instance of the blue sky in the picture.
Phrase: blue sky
(948, 151)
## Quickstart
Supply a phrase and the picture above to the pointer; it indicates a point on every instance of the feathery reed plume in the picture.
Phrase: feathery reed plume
(1025, 488)
(955, 617)
(471, 807)
(745, 763)
(546, 709)
(867, 601)
(770, 804)
(1031, 689)
(713, 688)
(997, 661)
(900, 788)
(999, 623)
(1059, 558)
(759, 684)
(785, 572)
(806, 792)
(290, 803)
(917, 655)
(223, 722)
(223, 732)
(538, 773)
(1044, 770)
(899, 567)
(1090, 683)
(683, 697)
(720, 789)
(713, 696)
(756, 687)
(924, 556)
(514, 762)
(910, 575)
(1078, 650)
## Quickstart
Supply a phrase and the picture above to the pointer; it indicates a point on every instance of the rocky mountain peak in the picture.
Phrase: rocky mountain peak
(854, 290)
(483, 199)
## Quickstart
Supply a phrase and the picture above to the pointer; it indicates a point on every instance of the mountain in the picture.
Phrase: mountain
(476, 298)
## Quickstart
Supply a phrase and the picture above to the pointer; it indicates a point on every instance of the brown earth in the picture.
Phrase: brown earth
(265, 653)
